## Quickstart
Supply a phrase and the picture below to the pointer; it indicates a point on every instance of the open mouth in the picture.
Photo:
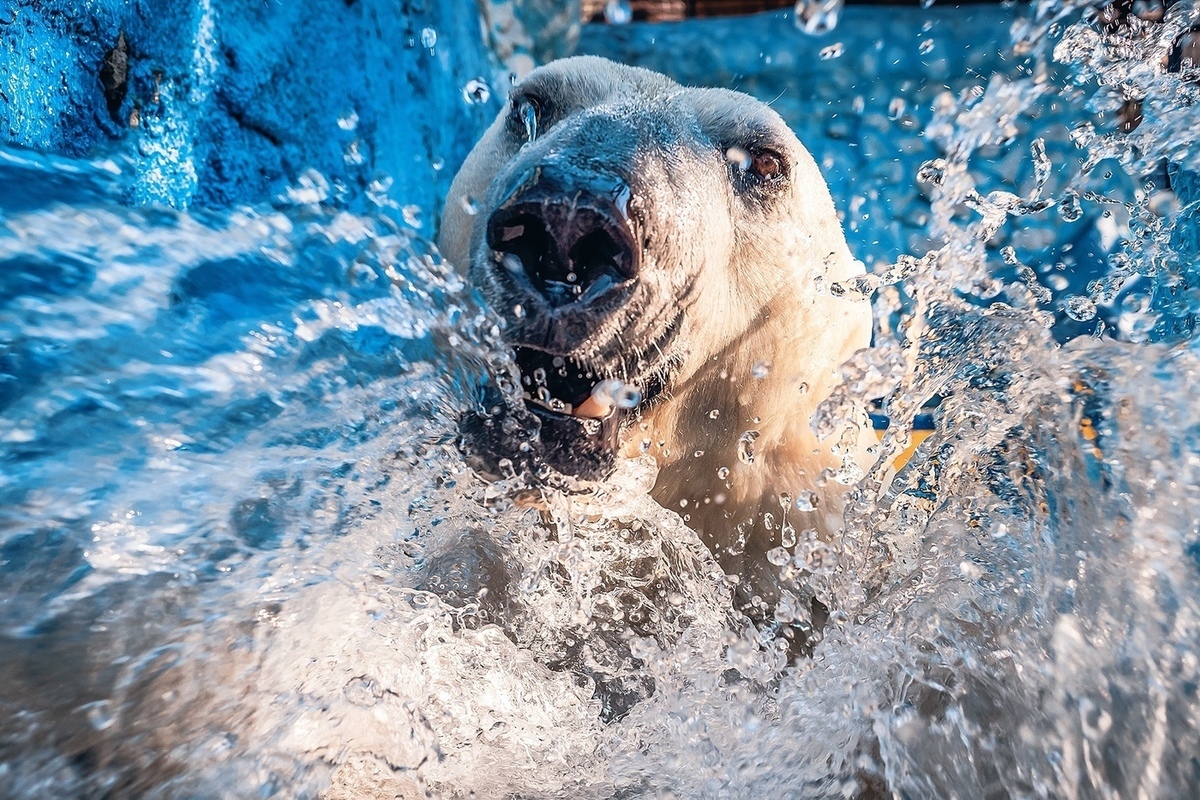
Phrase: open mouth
(561, 386)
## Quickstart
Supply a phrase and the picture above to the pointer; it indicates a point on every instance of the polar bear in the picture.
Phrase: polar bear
(662, 257)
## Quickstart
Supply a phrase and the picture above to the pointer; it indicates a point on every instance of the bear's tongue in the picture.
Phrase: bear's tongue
(559, 384)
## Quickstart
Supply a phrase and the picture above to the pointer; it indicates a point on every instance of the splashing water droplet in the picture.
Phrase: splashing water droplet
(925, 46)
(787, 536)
(1069, 208)
(1079, 308)
(739, 158)
(817, 17)
(1164, 203)
(831, 52)
(806, 501)
(348, 121)
(821, 558)
(933, 172)
(100, 714)
(745, 446)
(716, 412)
(618, 12)
(778, 556)
(470, 205)
(412, 215)
(628, 396)
(761, 369)
(476, 92)
(612, 392)
(723, 472)
(429, 38)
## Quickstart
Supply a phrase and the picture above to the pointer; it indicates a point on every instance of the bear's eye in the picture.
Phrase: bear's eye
(527, 114)
(756, 167)
(767, 164)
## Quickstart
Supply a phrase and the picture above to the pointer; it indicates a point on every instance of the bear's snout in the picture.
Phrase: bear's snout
(568, 241)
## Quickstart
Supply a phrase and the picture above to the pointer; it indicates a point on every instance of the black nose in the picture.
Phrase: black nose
(573, 245)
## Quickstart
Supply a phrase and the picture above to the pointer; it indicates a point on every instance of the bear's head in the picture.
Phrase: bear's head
(662, 258)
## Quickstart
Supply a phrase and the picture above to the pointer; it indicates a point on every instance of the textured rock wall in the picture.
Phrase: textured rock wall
(224, 101)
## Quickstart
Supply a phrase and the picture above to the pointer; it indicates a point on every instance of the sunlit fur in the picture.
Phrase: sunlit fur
(748, 268)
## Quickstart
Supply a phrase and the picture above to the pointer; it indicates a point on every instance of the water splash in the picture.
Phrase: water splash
(817, 17)
(242, 554)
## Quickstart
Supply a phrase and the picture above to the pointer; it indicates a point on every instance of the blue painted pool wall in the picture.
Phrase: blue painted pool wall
(224, 101)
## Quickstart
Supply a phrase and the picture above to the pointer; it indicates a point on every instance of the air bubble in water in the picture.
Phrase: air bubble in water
(470, 205)
(745, 446)
(833, 51)
(817, 17)
(428, 38)
(1079, 308)
(412, 215)
(716, 412)
(618, 12)
(348, 121)
(806, 501)
(476, 92)
(778, 556)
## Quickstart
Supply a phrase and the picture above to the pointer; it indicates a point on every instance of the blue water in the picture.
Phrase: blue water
(240, 549)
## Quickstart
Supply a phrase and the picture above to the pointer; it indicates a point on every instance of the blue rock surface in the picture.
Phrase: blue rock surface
(220, 101)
